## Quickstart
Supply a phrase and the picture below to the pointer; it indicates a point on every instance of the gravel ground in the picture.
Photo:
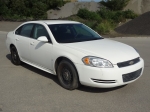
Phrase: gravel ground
(137, 26)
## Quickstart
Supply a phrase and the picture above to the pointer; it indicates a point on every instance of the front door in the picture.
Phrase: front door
(41, 52)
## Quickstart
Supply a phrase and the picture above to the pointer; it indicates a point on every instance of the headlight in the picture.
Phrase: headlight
(96, 62)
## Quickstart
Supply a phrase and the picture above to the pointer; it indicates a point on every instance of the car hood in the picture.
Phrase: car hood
(108, 49)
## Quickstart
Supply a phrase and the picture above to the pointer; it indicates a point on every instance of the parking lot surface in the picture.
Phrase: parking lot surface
(28, 89)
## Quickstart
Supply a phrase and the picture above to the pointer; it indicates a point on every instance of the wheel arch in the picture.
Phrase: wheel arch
(59, 59)
(11, 45)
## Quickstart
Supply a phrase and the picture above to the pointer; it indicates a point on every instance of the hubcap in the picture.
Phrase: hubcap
(67, 77)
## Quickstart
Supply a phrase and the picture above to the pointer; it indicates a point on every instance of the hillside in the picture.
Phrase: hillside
(139, 6)
(71, 9)
(137, 26)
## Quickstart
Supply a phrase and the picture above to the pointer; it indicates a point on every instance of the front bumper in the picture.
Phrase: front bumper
(108, 77)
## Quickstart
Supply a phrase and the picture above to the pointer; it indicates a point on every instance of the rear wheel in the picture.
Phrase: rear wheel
(14, 56)
(67, 75)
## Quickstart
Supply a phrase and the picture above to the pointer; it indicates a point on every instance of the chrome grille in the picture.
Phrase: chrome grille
(128, 63)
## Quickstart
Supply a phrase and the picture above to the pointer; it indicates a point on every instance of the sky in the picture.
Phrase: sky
(89, 0)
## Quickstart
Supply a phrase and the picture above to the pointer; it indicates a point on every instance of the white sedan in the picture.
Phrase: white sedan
(75, 53)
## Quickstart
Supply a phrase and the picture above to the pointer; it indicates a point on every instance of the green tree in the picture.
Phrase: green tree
(3, 7)
(39, 10)
(115, 4)
(54, 3)
(18, 7)
(35, 9)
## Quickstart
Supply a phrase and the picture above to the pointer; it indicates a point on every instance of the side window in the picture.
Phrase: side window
(39, 31)
(26, 30)
(17, 32)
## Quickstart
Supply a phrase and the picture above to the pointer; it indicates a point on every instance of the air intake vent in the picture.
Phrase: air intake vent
(131, 76)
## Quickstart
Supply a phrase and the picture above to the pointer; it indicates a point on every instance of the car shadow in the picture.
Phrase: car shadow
(37, 71)
(98, 90)
(55, 79)
(8, 56)
(41, 72)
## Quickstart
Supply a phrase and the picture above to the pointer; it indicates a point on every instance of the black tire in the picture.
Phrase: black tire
(67, 75)
(14, 56)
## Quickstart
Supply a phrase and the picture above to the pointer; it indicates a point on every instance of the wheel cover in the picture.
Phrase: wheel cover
(67, 76)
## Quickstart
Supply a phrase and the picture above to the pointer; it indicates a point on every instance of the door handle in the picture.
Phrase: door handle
(17, 39)
(32, 43)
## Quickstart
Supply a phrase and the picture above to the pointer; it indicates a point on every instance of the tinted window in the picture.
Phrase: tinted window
(39, 31)
(67, 33)
(26, 30)
(17, 32)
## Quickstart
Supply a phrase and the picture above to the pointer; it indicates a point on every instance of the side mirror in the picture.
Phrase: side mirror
(42, 39)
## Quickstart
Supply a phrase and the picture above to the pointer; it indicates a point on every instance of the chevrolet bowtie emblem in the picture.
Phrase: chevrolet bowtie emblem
(131, 62)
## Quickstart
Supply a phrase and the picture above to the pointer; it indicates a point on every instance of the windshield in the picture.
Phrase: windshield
(69, 33)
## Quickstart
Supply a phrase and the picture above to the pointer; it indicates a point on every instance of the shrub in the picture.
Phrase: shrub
(86, 14)
(129, 14)
(106, 14)
(104, 20)
(105, 27)
(116, 16)
(119, 17)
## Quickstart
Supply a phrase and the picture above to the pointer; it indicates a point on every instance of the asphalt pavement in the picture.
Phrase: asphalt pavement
(28, 89)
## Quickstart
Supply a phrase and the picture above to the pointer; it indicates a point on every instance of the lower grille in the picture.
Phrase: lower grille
(103, 81)
(131, 76)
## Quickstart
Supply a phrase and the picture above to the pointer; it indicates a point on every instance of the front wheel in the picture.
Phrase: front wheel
(14, 56)
(67, 75)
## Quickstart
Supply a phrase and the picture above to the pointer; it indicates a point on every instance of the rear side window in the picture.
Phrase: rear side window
(26, 30)
(17, 32)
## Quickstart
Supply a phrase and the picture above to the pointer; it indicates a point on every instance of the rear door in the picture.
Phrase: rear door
(22, 38)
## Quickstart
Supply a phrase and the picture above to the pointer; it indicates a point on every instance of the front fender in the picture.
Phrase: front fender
(73, 55)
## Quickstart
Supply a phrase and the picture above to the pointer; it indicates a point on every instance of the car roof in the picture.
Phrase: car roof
(54, 21)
